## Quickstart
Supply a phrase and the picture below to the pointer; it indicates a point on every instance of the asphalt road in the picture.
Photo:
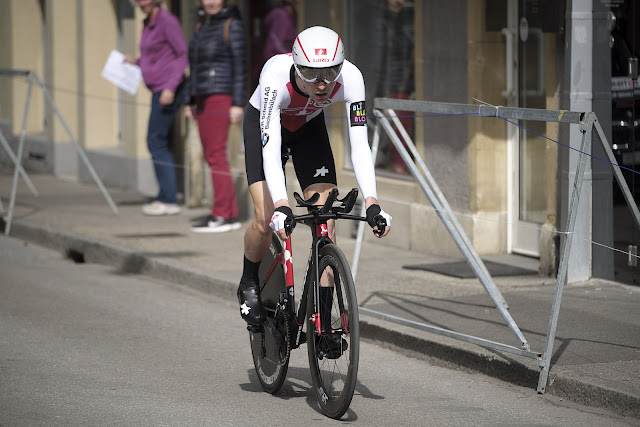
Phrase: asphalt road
(83, 344)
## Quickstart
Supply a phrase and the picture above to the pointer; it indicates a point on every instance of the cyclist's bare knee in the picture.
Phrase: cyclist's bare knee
(323, 188)
(262, 208)
(260, 226)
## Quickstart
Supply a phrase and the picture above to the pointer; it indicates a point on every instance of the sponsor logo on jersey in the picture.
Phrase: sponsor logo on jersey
(268, 102)
(358, 114)
(265, 139)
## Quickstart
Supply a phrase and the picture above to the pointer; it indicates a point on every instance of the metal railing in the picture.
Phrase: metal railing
(384, 111)
(16, 158)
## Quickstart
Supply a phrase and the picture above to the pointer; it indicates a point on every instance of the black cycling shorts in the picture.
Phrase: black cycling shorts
(309, 147)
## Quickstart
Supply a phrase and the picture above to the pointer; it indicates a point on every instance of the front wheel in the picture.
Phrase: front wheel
(333, 333)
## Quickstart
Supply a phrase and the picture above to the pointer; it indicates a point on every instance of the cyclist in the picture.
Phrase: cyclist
(285, 116)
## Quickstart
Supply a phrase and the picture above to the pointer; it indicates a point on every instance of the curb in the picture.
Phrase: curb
(438, 350)
(80, 249)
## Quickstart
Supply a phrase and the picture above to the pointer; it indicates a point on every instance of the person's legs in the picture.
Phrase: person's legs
(257, 237)
(160, 122)
(316, 173)
(213, 124)
(327, 280)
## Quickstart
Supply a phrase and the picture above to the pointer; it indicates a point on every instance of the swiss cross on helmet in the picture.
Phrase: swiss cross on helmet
(318, 54)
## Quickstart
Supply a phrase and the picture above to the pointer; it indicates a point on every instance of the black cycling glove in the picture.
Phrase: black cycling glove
(373, 211)
(376, 217)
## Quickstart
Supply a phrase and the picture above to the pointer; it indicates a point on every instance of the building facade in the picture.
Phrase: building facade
(506, 181)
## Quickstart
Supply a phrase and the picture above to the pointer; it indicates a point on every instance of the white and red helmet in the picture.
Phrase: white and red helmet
(318, 54)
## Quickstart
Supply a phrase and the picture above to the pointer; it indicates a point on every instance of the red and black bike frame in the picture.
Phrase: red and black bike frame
(320, 234)
(316, 218)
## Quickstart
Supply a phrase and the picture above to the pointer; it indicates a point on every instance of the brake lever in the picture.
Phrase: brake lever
(289, 224)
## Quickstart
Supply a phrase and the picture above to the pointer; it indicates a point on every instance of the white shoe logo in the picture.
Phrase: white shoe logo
(244, 309)
(321, 172)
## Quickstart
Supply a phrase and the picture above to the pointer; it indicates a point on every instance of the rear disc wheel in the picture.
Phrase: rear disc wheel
(271, 351)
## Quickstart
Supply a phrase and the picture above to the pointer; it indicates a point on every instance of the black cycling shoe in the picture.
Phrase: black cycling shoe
(251, 308)
(330, 347)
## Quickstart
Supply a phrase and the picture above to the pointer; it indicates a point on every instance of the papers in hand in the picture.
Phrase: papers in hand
(124, 75)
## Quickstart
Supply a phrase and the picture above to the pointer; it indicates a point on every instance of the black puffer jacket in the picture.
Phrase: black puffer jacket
(216, 67)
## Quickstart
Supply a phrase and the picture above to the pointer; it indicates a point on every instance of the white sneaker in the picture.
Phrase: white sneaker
(216, 225)
(157, 208)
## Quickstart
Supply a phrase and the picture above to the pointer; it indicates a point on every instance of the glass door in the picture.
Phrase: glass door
(533, 155)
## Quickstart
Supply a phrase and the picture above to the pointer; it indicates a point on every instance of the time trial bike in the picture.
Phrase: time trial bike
(327, 307)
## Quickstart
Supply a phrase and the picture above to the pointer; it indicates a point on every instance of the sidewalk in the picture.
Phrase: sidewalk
(596, 354)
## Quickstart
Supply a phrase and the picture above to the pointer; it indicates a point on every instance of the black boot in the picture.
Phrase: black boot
(251, 308)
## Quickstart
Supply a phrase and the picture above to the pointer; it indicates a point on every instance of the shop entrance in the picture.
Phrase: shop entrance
(624, 17)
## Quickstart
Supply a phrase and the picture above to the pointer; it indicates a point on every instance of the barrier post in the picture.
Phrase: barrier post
(31, 77)
(585, 148)
(79, 149)
(23, 131)
(18, 163)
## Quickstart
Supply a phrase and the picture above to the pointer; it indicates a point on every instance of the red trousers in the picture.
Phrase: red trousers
(212, 113)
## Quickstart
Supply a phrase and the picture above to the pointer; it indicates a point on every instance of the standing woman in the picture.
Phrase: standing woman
(163, 61)
(217, 90)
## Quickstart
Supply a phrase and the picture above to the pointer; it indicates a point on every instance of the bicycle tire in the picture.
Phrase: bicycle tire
(270, 356)
(334, 375)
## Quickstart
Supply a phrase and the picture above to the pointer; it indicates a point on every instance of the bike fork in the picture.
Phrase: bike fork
(320, 235)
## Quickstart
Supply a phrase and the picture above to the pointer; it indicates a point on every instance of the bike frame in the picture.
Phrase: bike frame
(328, 283)
(320, 238)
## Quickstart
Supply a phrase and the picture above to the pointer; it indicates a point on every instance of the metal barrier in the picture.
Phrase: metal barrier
(384, 110)
(17, 158)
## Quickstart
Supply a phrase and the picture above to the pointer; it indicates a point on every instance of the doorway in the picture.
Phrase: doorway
(531, 42)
